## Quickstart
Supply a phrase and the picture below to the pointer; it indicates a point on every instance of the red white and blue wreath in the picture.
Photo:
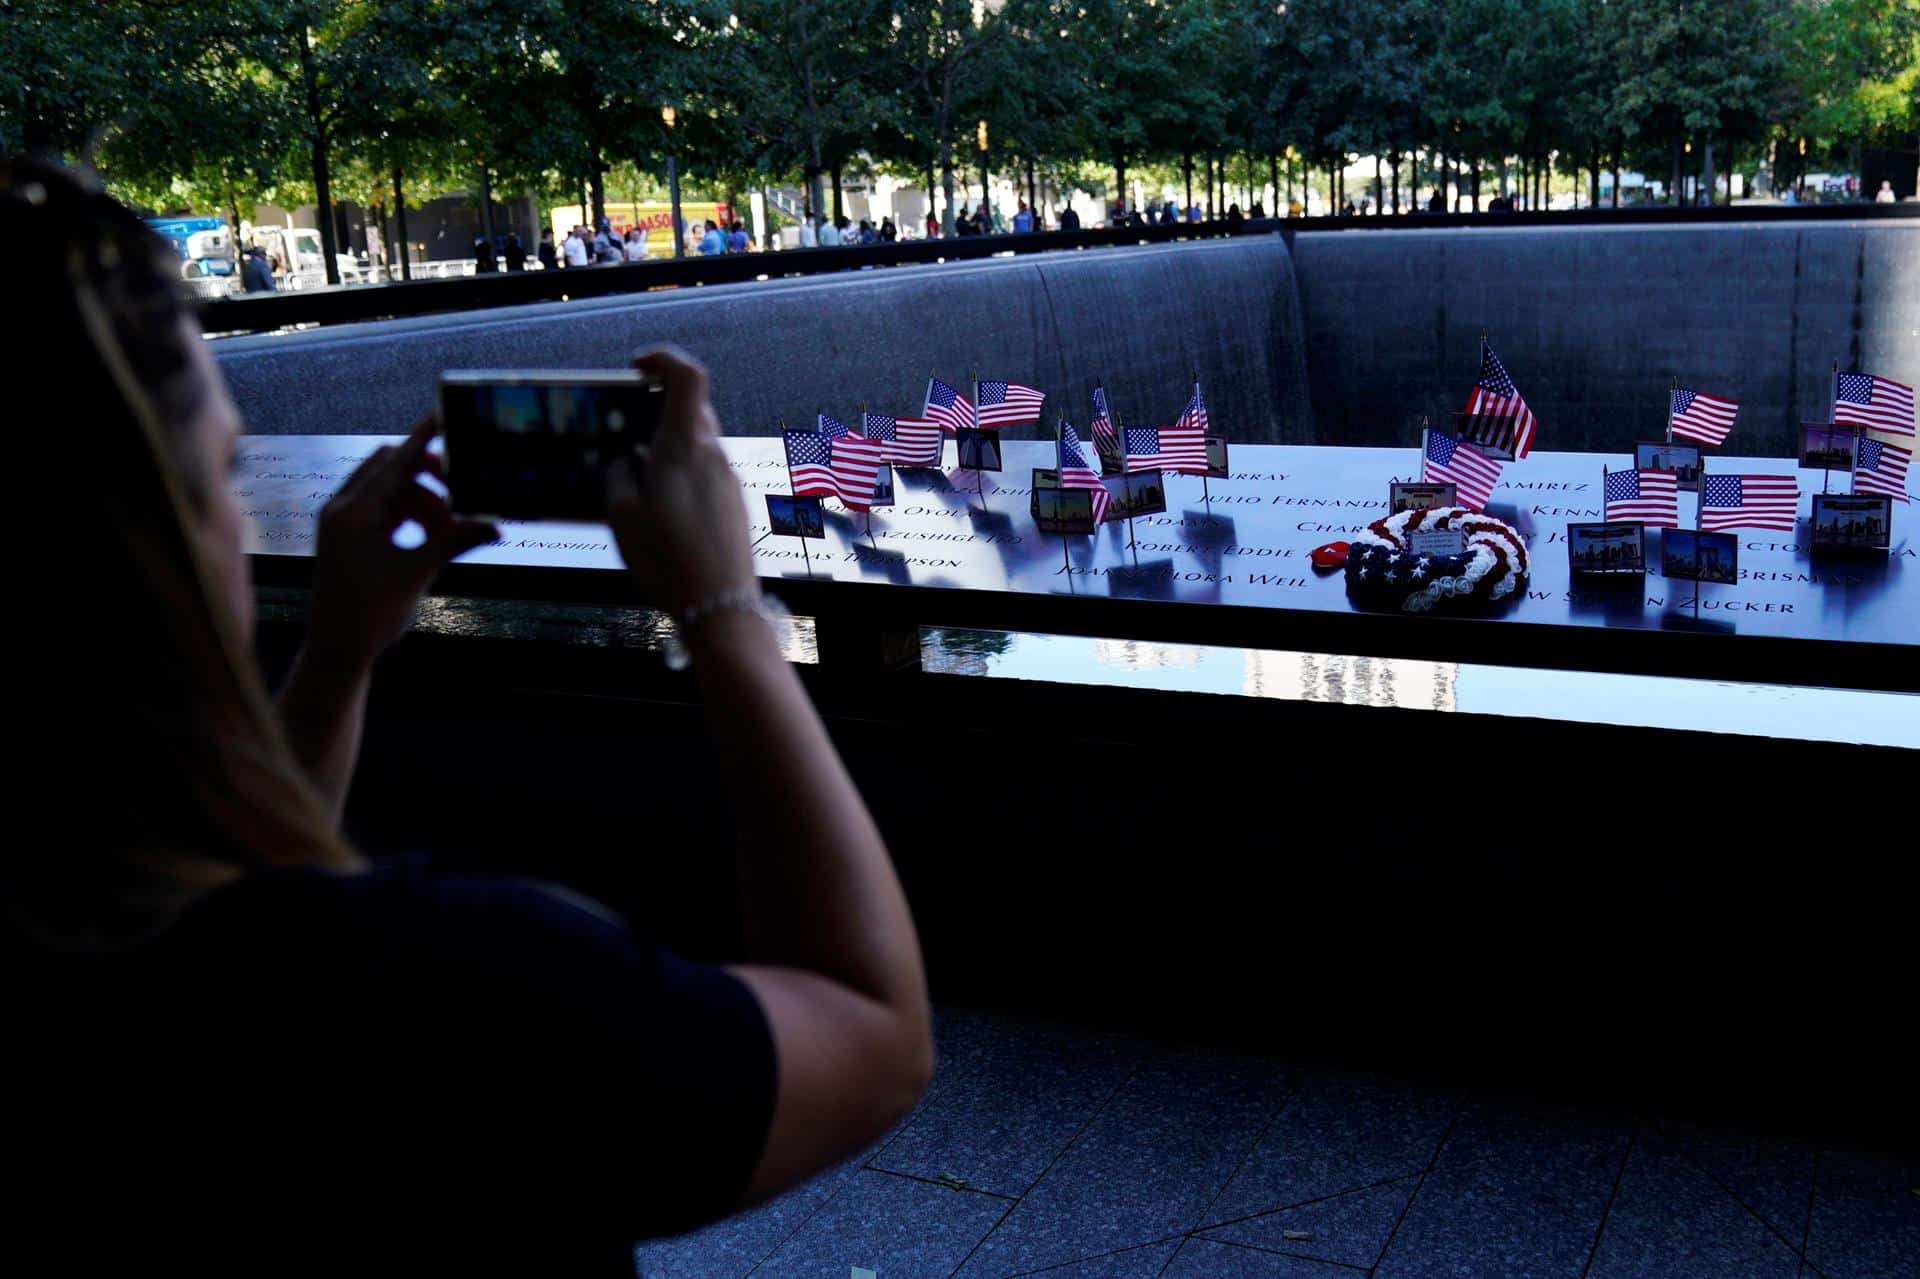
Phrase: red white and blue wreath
(1382, 571)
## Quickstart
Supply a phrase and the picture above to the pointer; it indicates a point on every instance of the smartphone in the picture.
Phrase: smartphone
(536, 444)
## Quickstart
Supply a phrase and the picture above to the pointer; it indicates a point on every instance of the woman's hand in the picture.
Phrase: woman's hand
(677, 515)
(365, 587)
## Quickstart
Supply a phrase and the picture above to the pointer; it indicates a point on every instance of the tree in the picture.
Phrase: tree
(936, 51)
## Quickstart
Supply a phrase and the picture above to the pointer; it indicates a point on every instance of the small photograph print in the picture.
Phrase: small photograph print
(979, 450)
(795, 516)
(882, 486)
(1701, 557)
(1420, 497)
(1825, 447)
(1146, 493)
(1607, 548)
(1852, 521)
(1058, 510)
(1045, 478)
(1112, 461)
(1682, 459)
(1217, 457)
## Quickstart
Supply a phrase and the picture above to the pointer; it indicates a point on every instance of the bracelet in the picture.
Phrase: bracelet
(746, 600)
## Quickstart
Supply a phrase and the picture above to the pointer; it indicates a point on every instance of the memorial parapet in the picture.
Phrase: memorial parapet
(1226, 564)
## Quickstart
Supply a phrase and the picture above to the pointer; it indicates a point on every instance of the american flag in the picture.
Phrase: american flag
(1009, 404)
(809, 463)
(1103, 436)
(1495, 396)
(1696, 416)
(1882, 468)
(1652, 497)
(1748, 501)
(830, 428)
(1473, 474)
(1861, 399)
(1076, 474)
(916, 440)
(947, 406)
(856, 463)
(1165, 448)
(1194, 416)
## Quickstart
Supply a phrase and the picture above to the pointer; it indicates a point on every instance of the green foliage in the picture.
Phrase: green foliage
(216, 103)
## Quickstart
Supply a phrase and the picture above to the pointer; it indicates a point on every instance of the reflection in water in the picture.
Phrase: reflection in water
(1761, 710)
(580, 625)
(1362, 681)
(1132, 655)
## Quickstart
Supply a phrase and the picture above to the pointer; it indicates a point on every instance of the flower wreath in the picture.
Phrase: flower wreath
(1381, 570)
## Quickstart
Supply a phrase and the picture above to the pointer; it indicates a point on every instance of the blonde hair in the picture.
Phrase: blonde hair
(181, 776)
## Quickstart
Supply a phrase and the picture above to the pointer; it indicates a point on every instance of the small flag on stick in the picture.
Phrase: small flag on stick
(1699, 416)
(1748, 501)
(1445, 460)
(1652, 497)
(1497, 402)
(1873, 403)
(1882, 468)
(1076, 474)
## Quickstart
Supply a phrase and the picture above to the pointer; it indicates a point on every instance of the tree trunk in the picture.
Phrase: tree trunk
(1616, 177)
(946, 176)
(839, 206)
(1673, 192)
(1475, 178)
(400, 226)
(322, 184)
(597, 187)
(486, 204)
(813, 174)
(1186, 171)
(1593, 176)
(1120, 177)
(932, 208)
(1706, 172)
(1273, 180)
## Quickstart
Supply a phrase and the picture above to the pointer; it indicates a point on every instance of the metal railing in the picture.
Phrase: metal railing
(266, 312)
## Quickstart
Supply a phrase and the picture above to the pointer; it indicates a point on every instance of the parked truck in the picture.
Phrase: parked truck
(205, 245)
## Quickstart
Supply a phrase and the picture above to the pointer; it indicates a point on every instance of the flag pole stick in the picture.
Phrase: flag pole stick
(1833, 407)
(808, 559)
(1673, 385)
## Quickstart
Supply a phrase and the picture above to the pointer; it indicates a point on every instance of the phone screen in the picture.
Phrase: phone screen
(537, 445)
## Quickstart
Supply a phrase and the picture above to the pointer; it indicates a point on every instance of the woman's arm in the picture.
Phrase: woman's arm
(364, 592)
(835, 962)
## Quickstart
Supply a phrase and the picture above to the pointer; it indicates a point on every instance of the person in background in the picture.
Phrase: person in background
(867, 234)
(524, 1032)
(516, 256)
(827, 233)
(483, 259)
(1193, 214)
(549, 258)
(576, 247)
(1069, 220)
(983, 219)
(255, 275)
(738, 241)
(610, 249)
(712, 244)
(933, 225)
(1437, 202)
(1237, 219)
(1885, 194)
(636, 245)
(1022, 219)
(1259, 210)
(849, 234)
(809, 231)
(888, 231)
